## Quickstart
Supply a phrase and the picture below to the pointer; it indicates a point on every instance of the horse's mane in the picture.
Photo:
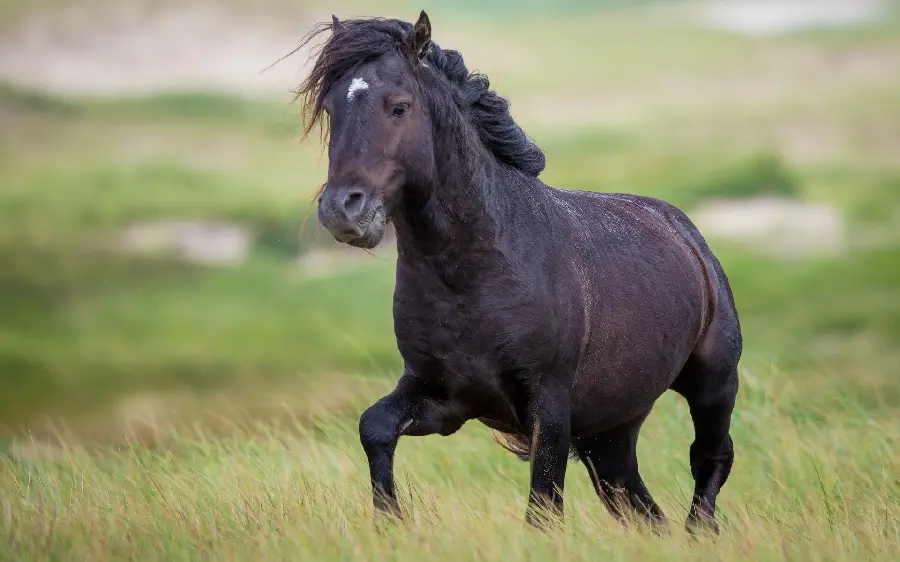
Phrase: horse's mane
(361, 40)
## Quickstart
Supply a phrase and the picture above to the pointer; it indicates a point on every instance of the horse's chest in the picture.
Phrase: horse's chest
(473, 345)
(456, 351)
(448, 333)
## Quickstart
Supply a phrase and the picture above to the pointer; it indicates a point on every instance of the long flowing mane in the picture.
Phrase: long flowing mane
(356, 42)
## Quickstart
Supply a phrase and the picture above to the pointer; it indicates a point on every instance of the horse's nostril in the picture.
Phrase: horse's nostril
(354, 202)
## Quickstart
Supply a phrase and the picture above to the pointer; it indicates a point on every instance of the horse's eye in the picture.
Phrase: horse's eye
(399, 110)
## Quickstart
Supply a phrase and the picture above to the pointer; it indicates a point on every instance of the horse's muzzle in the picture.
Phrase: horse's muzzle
(352, 217)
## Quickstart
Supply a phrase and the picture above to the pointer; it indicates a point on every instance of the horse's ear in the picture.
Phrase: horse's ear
(419, 38)
(336, 24)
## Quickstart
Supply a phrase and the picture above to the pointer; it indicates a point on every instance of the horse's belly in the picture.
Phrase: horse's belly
(608, 401)
(627, 365)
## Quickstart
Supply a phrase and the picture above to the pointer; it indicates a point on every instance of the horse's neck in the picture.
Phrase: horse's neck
(465, 213)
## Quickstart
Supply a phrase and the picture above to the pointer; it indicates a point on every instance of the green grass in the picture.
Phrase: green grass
(292, 490)
(210, 412)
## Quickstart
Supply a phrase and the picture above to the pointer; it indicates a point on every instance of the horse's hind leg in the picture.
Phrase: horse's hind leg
(710, 387)
(611, 461)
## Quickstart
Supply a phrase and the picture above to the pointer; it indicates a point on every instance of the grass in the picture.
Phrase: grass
(155, 409)
(799, 489)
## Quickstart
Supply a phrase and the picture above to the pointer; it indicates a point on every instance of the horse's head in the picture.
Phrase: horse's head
(379, 133)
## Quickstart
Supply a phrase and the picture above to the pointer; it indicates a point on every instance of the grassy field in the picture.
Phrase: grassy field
(802, 489)
(155, 409)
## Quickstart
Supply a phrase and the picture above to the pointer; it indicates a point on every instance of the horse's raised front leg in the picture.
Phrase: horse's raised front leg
(407, 410)
(551, 436)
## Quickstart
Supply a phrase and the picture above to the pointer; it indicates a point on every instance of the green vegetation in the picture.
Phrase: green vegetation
(810, 488)
(757, 176)
(211, 411)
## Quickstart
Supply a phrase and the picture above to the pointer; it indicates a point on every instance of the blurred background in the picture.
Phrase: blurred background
(160, 257)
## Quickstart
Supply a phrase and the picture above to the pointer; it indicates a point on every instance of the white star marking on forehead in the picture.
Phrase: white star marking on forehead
(356, 85)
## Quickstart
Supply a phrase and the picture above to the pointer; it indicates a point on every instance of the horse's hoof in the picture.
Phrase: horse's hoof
(697, 526)
(385, 520)
(544, 520)
(659, 526)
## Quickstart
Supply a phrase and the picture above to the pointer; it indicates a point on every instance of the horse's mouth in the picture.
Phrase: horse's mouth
(372, 229)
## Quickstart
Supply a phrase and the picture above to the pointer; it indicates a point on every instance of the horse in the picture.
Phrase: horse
(555, 317)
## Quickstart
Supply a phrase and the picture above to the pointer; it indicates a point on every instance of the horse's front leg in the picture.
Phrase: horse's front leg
(550, 440)
(407, 410)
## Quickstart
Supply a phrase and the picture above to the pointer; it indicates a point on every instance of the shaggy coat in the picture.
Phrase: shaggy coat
(555, 317)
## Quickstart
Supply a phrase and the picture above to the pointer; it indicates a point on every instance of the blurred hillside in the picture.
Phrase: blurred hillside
(157, 239)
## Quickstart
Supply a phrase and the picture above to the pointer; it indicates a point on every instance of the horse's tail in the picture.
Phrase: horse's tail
(519, 445)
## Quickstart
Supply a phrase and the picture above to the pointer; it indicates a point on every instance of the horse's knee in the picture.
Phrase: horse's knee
(379, 425)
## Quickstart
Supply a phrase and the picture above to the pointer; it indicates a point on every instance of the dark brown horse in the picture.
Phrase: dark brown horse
(555, 317)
